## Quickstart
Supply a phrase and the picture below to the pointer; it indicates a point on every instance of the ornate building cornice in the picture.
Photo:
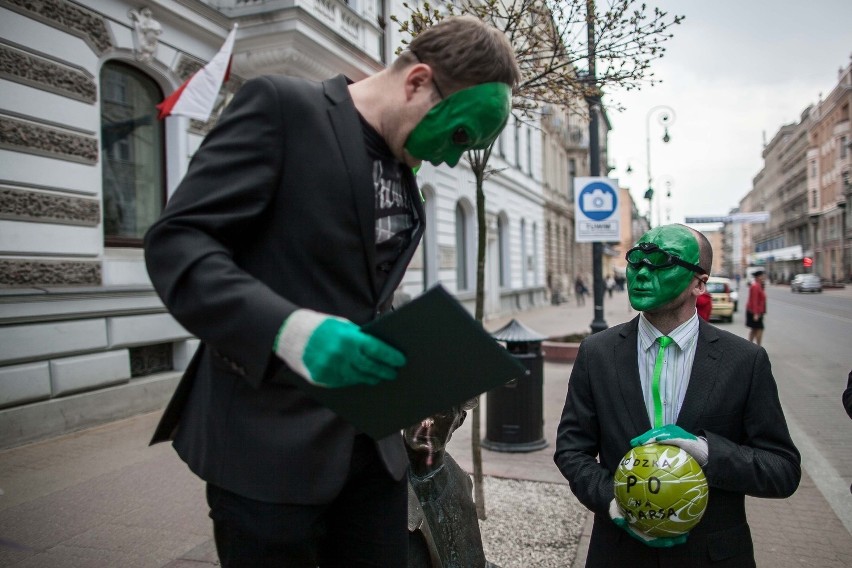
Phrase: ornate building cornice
(31, 138)
(23, 205)
(67, 17)
(35, 71)
(45, 273)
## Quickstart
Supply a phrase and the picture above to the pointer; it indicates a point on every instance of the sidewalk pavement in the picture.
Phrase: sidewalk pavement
(103, 498)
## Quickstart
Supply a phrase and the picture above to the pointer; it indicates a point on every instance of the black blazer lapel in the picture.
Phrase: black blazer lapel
(627, 369)
(703, 378)
(347, 129)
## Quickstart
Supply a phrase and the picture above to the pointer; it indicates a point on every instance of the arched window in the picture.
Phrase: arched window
(462, 282)
(132, 154)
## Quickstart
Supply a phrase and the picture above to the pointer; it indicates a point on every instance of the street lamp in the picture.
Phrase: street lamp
(665, 116)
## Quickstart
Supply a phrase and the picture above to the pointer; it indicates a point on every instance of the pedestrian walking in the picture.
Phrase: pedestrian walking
(261, 253)
(580, 291)
(669, 377)
(610, 285)
(756, 307)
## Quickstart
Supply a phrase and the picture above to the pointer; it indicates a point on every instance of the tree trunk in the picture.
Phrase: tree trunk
(478, 160)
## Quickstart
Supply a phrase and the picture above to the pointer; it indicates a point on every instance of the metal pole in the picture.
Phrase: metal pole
(594, 102)
(666, 117)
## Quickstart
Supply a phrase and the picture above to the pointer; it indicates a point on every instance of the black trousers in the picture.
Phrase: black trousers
(365, 526)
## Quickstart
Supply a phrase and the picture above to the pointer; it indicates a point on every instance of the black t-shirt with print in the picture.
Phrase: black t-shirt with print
(395, 214)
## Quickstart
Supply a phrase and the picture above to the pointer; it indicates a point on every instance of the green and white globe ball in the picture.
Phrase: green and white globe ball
(661, 490)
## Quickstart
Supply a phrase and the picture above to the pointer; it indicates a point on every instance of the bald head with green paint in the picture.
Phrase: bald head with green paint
(651, 288)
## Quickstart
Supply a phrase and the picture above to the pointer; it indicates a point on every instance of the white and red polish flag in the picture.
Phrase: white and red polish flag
(196, 97)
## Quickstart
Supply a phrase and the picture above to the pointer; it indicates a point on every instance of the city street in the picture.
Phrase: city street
(103, 498)
(809, 341)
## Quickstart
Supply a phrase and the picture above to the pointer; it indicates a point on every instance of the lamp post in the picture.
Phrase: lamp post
(665, 116)
(593, 99)
(668, 181)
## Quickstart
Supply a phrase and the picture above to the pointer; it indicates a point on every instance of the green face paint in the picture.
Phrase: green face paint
(650, 289)
(468, 119)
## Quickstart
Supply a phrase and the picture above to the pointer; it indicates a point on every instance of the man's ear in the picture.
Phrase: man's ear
(702, 283)
(418, 76)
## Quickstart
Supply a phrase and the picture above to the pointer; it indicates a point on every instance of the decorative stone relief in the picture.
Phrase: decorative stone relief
(66, 16)
(20, 205)
(45, 273)
(27, 137)
(146, 33)
(30, 69)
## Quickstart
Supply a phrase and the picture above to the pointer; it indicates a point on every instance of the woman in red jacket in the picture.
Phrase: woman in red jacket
(756, 307)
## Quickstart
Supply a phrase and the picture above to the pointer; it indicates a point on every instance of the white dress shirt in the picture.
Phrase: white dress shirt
(677, 365)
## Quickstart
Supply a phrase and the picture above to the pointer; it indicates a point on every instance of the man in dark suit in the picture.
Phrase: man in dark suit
(713, 395)
(293, 226)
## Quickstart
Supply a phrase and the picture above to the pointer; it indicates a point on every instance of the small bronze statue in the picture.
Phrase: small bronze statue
(442, 523)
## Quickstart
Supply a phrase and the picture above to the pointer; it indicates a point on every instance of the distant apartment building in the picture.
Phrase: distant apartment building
(565, 156)
(805, 186)
(780, 189)
(829, 187)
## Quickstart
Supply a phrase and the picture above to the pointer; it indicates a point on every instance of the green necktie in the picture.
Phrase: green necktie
(664, 340)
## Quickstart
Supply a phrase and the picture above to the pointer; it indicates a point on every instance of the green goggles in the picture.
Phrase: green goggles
(655, 258)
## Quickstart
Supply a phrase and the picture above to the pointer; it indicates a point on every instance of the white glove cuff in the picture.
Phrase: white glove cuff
(293, 337)
(701, 453)
(615, 510)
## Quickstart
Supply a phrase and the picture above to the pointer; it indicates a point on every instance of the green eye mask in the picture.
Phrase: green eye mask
(650, 289)
(468, 119)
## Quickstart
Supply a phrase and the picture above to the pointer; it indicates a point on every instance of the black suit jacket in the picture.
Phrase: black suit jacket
(732, 400)
(276, 213)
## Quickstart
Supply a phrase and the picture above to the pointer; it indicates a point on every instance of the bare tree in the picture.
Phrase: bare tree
(551, 41)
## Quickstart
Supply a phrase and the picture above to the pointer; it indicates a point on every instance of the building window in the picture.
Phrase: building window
(503, 250)
(572, 173)
(534, 259)
(132, 154)
(523, 253)
(517, 144)
(844, 148)
(461, 248)
(529, 150)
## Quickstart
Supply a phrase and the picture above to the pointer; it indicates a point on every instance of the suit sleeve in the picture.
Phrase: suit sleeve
(578, 441)
(766, 463)
(190, 251)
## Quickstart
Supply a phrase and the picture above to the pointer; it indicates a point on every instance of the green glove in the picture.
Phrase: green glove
(673, 435)
(333, 352)
(655, 542)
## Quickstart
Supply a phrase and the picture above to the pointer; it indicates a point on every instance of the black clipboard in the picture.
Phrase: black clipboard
(451, 359)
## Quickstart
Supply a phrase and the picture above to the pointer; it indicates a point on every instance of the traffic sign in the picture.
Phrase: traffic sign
(596, 210)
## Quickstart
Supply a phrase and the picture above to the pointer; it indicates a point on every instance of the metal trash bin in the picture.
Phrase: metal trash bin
(514, 416)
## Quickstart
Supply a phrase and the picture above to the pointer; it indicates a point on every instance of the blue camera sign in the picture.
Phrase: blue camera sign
(596, 207)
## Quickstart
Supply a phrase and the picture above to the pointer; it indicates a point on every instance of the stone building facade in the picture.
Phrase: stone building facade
(87, 167)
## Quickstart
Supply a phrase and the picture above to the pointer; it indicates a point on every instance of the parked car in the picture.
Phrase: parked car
(735, 298)
(806, 283)
(720, 292)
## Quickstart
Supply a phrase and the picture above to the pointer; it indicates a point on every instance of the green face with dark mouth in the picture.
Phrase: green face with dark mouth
(470, 119)
(650, 288)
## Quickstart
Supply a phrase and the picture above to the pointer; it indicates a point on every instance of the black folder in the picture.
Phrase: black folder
(450, 359)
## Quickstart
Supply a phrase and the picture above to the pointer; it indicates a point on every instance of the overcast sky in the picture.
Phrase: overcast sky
(736, 71)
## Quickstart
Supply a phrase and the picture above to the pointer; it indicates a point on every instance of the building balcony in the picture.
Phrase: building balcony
(308, 38)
